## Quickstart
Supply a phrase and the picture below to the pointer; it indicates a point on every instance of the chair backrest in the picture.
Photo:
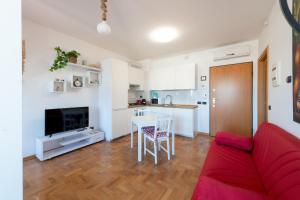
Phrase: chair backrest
(161, 123)
(144, 112)
(162, 126)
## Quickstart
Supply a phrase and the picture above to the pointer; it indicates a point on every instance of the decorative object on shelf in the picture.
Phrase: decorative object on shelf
(62, 58)
(103, 27)
(293, 19)
(296, 60)
(97, 66)
(58, 85)
(77, 81)
(84, 62)
(23, 56)
(203, 78)
(93, 78)
(73, 55)
(84, 67)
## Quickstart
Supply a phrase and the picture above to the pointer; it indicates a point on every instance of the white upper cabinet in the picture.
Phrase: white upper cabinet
(136, 77)
(120, 84)
(182, 77)
(185, 77)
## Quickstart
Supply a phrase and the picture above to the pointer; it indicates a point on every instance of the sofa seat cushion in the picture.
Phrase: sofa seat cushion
(211, 189)
(232, 166)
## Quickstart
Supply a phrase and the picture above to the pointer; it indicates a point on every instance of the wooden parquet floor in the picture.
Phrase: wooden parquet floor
(105, 171)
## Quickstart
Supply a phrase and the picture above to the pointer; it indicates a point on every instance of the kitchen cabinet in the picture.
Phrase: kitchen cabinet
(162, 78)
(181, 77)
(114, 98)
(136, 78)
(185, 77)
(120, 123)
(185, 119)
(120, 84)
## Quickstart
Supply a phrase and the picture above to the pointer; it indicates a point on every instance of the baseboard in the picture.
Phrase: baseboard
(202, 133)
(29, 158)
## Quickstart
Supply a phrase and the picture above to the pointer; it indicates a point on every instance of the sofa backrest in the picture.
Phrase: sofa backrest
(277, 157)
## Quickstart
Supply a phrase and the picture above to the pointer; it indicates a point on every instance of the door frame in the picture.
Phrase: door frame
(210, 100)
(264, 58)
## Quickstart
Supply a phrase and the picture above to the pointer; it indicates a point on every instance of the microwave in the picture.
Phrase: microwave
(154, 101)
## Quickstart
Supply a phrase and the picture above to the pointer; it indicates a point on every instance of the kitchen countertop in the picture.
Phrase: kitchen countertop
(183, 106)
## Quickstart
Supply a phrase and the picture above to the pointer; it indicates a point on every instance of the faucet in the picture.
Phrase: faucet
(171, 99)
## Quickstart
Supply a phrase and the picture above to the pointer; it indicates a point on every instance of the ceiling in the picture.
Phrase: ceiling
(202, 24)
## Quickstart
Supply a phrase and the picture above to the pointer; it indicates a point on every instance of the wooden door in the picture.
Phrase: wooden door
(262, 88)
(231, 99)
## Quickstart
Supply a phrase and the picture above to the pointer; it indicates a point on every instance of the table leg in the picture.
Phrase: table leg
(139, 144)
(173, 138)
(131, 134)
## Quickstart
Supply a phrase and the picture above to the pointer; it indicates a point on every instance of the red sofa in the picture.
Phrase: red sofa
(271, 170)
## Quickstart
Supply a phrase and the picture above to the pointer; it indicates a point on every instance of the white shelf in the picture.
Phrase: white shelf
(74, 139)
(84, 67)
(64, 149)
(49, 147)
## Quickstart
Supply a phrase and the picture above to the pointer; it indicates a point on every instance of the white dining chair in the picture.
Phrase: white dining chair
(157, 133)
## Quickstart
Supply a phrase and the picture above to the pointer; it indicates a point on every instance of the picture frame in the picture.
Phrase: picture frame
(296, 64)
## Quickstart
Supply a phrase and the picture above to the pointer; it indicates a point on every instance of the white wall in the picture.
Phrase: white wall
(278, 36)
(11, 169)
(40, 42)
(204, 60)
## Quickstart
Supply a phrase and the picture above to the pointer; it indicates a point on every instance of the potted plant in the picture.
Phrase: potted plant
(62, 58)
(73, 55)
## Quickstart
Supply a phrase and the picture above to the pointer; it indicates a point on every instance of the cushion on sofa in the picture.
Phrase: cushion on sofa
(211, 189)
(233, 140)
(232, 166)
(277, 157)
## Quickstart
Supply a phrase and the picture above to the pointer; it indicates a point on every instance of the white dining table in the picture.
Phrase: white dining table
(144, 121)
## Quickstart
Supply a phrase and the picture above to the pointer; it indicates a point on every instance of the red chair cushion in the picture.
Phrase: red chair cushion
(233, 167)
(277, 157)
(211, 189)
(233, 140)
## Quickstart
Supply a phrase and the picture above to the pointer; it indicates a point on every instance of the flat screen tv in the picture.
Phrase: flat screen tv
(66, 119)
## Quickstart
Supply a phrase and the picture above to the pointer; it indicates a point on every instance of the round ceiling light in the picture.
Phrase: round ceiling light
(164, 34)
(103, 28)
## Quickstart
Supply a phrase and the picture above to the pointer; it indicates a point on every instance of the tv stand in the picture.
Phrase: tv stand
(48, 147)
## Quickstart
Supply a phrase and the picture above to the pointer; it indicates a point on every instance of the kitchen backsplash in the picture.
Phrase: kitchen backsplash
(133, 95)
(179, 96)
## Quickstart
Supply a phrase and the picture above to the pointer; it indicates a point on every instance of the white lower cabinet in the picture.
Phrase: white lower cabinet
(121, 123)
(184, 119)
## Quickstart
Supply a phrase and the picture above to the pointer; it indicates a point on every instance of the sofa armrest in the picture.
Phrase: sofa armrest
(233, 140)
(211, 189)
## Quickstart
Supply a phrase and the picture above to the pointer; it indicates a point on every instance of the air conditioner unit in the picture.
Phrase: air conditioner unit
(233, 52)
